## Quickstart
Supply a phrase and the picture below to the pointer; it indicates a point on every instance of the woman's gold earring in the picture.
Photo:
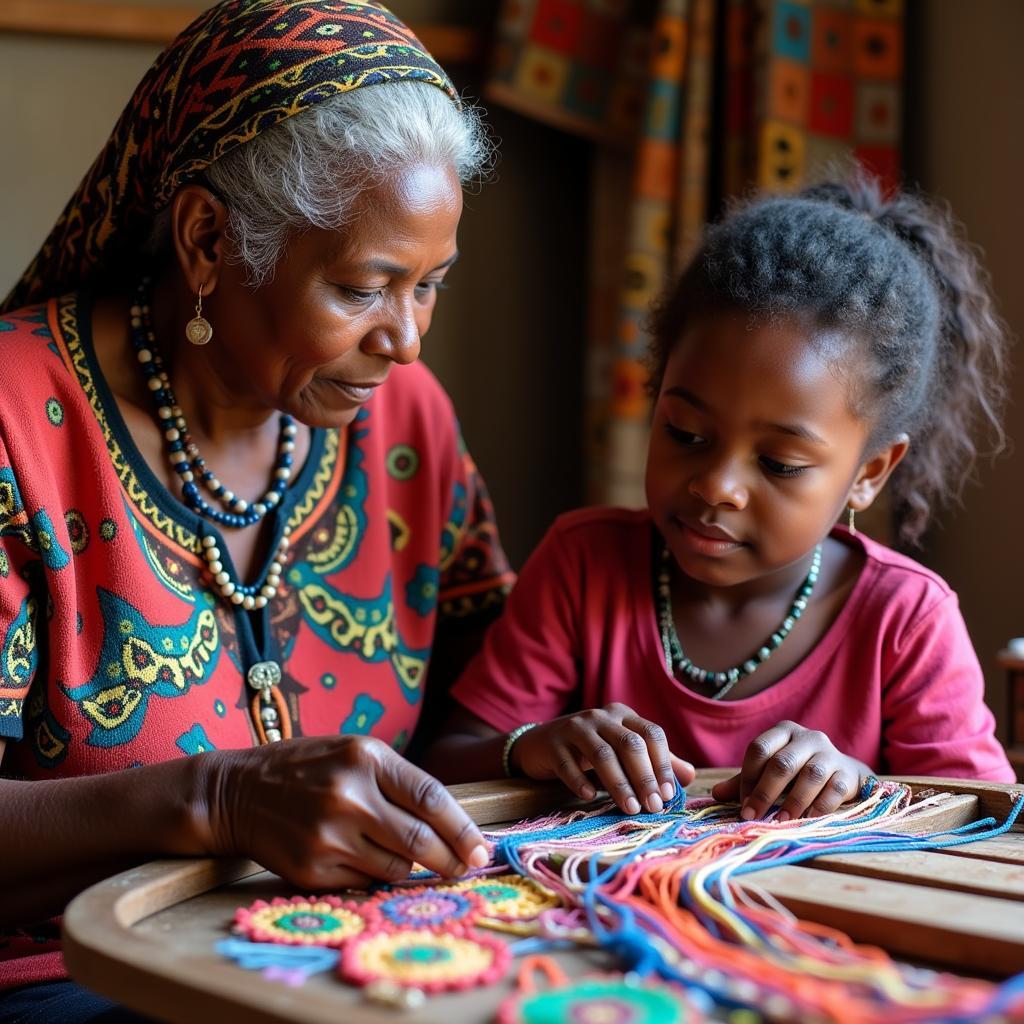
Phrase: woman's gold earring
(198, 329)
(853, 525)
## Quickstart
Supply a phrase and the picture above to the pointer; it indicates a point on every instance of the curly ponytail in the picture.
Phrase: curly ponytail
(893, 274)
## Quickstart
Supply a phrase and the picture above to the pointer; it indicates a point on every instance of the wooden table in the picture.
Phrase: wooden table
(146, 937)
(1013, 664)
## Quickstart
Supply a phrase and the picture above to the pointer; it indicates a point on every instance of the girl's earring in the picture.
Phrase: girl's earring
(853, 525)
(198, 329)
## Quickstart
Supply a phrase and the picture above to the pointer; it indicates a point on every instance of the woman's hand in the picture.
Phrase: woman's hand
(818, 776)
(629, 755)
(337, 812)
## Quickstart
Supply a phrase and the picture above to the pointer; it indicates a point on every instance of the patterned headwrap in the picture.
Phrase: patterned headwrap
(238, 69)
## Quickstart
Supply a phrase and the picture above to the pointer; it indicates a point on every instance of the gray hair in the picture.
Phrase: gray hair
(308, 170)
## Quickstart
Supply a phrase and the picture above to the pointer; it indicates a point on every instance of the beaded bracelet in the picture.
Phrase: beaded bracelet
(510, 742)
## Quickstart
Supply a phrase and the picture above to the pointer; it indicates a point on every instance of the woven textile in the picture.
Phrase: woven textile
(238, 69)
(693, 102)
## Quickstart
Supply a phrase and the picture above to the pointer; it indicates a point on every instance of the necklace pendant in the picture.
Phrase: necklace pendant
(264, 676)
(268, 709)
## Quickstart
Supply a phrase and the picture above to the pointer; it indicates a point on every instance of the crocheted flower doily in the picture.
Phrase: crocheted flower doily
(303, 920)
(425, 958)
(509, 897)
(427, 907)
(603, 1000)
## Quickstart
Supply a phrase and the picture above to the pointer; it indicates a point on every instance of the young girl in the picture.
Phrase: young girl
(817, 347)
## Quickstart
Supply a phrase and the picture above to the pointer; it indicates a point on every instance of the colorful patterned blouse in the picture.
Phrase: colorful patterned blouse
(115, 649)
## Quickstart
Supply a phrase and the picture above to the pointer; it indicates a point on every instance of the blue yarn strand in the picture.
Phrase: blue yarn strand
(627, 932)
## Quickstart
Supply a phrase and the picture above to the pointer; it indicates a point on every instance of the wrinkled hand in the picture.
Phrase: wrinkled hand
(818, 776)
(338, 812)
(629, 755)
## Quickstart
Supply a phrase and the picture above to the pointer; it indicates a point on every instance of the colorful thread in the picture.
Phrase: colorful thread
(662, 893)
(289, 964)
(666, 895)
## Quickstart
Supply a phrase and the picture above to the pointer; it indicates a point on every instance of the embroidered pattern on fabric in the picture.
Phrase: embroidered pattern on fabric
(68, 316)
(330, 550)
(363, 627)
(50, 740)
(20, 656)
(321, 480)
(13, 517)
(78, 530)
(193, 93)
(464, 549)
(36, 317)
(167, 568)
(366, 712)
(139, 660)
(10, 707)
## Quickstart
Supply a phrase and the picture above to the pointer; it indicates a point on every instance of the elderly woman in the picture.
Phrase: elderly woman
(234, 509)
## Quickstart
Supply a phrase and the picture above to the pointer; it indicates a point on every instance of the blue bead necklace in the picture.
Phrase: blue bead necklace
(723, 682)
(181, 448)
(186, 461)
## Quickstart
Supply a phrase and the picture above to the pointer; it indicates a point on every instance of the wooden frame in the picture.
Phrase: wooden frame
(936, 907)
(1013, 664)
(450, 44)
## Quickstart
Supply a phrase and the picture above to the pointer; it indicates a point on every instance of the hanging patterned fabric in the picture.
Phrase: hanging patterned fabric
(689, 102)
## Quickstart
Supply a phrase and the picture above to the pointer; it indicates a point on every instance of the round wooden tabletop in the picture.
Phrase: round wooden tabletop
(147, 937)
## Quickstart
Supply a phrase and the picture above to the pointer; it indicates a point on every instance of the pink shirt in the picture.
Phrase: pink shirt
(894, 682)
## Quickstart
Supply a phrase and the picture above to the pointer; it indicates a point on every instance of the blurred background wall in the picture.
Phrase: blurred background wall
(964, 131)
(508, 338)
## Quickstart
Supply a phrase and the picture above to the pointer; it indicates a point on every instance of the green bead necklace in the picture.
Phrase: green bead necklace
(722, 682)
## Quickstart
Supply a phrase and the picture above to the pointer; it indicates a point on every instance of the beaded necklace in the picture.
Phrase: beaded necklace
(723, 682)
(184, 457)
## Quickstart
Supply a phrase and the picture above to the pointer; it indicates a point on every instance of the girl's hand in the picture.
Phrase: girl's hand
(629, 755)
(337, 812)
(819, 776)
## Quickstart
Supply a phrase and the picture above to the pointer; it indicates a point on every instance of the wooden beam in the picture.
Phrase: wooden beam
(931, 868)
(995, 799)
(961, 930)
(96, 20)
(450, 44)
(503, 801)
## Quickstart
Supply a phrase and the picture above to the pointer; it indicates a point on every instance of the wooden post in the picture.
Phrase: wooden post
(160, 23)
(1014, 666)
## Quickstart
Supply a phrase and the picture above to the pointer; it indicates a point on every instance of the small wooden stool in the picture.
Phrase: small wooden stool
(1013, 663)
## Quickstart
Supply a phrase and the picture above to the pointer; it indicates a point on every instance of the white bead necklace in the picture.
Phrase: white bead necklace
(185, 460)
